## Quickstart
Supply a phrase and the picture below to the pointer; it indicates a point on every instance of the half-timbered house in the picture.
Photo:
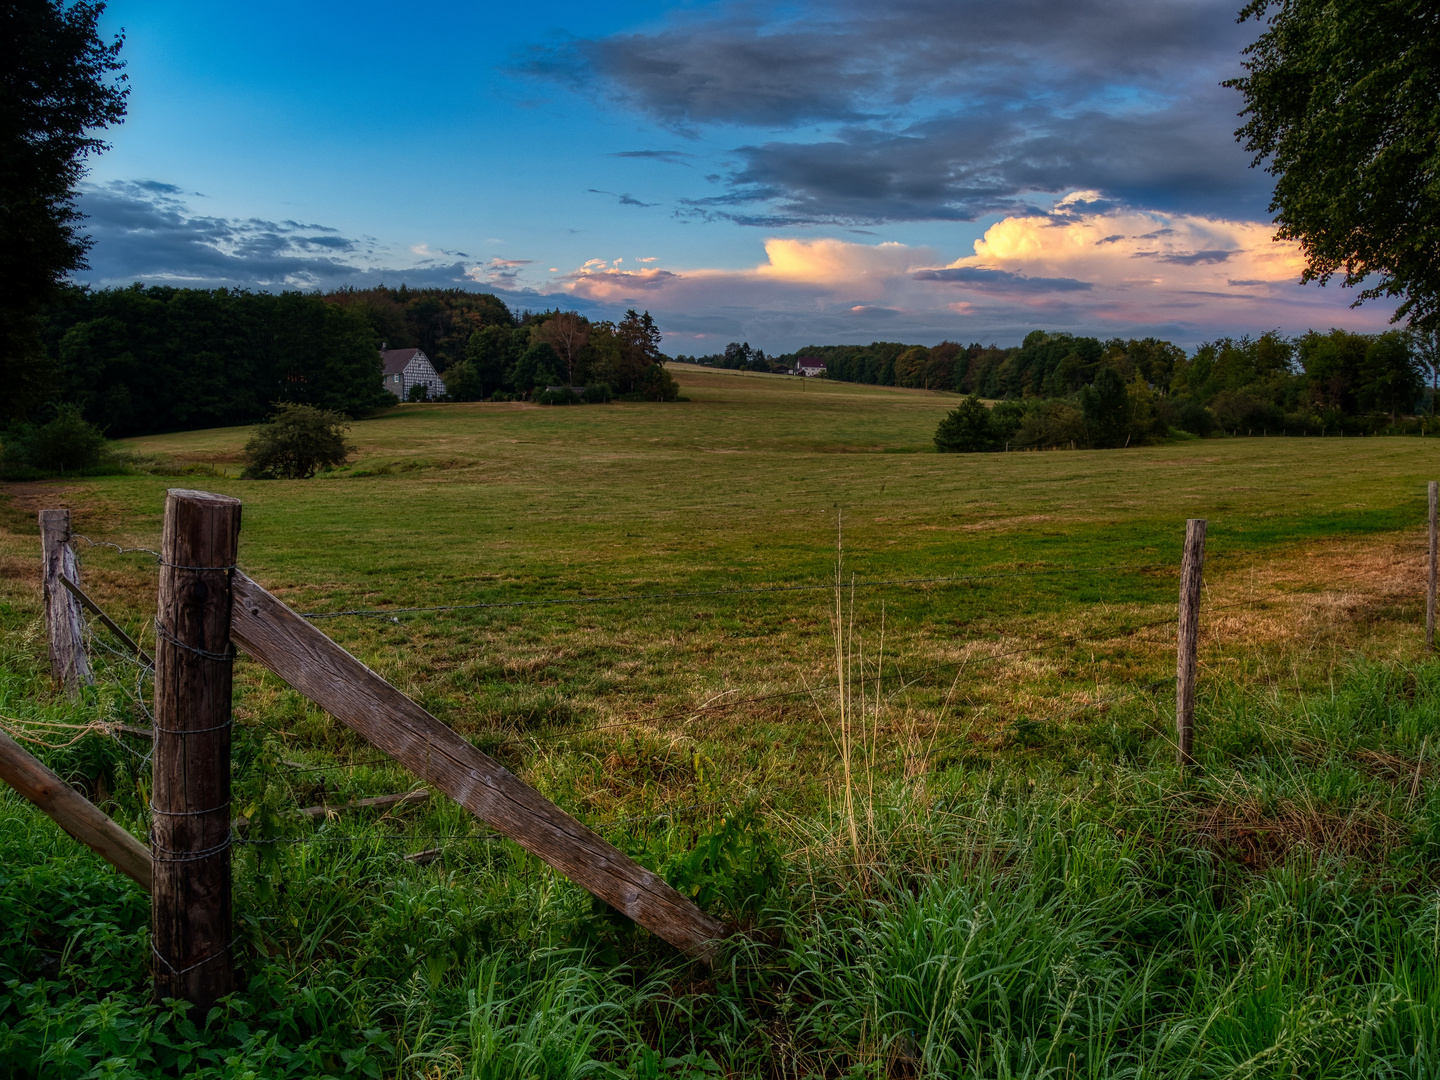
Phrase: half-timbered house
(405, 368)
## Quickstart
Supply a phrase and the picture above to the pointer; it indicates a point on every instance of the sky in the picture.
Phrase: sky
(793, 174)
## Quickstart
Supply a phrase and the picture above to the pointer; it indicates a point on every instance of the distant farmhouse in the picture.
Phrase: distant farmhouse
(809, 366)
(405, 368)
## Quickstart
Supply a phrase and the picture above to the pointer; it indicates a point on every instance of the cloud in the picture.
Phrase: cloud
(623, 200)
(943, 110)
(1090, 268)
(833, 263)
(146, 231)
(982, 277)
(670, 157)
(1082, 265)
(1190, 258)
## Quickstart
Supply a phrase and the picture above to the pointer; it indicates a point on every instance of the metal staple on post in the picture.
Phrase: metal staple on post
(69, 666)
(1191, 571)
(190, 836)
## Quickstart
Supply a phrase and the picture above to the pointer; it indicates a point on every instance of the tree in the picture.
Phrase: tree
(567, 333)
(323, 356)
(1426, 344)
(58, 85)
(539, 365)
(1341, 105)
(639, 347)
(1105, 404)
(967, 429)
(296, 442)
(657, 384)
(1390, 378)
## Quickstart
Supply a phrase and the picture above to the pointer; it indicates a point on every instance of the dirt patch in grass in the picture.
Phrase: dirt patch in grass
(1259, 837)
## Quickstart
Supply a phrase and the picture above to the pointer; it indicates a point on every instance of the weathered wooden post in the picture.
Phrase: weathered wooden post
(1430, 582)
(69, 666)
(190, 828)
(1188, 640)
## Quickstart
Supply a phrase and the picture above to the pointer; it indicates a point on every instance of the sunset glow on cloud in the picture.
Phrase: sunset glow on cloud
(1107, 270)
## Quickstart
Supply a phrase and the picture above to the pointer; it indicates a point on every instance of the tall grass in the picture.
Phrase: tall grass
(1073, 908)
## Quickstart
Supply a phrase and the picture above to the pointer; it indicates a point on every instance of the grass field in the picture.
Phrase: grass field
(1015, 882)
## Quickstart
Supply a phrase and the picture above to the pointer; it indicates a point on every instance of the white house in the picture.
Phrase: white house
(405, 368)
(809, 366)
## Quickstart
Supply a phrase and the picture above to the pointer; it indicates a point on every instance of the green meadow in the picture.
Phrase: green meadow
(654, 613)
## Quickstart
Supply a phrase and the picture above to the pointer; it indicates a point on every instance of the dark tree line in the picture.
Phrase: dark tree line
(142, 360)
(148, 359)
(1267, 382)
(1058, 390)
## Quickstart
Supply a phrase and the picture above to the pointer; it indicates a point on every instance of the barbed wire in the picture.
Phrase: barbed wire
(117, 548)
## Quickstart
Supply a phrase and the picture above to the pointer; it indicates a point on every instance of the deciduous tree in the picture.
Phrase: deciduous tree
(1341, 105)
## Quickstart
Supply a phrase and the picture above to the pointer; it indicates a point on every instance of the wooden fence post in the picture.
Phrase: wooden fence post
(1430, 581)
(1187, 641)
(190, 826)
(69, 666)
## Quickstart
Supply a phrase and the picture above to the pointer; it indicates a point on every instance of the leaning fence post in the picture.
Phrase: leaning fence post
(69, 666)
(1187, 640)
(190, 825)
(1430, 582)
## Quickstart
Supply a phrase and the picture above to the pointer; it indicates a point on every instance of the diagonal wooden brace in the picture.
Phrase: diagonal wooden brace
(309, 661)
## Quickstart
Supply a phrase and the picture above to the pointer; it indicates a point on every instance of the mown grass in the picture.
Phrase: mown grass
(1014, 882)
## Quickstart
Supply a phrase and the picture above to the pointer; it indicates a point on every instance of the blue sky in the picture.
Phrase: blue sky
(794, 174)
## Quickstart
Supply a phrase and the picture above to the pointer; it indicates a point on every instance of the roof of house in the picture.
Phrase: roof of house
(809, 361)
(396, 360)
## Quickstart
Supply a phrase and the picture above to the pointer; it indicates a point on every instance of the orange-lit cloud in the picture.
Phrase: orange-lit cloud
(840, 263)
(1082, 267)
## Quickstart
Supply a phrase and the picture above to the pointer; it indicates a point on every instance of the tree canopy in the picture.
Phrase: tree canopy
(60, 83)
(1341, 100)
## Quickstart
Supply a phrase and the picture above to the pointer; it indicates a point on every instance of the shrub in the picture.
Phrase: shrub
(1194, 417)
(1051, 423)
(598, 393)
(967, 429)
(558, 395)
(67, 443)
(296, 442)
(419, 392)
(657, 384)
(1243, 412)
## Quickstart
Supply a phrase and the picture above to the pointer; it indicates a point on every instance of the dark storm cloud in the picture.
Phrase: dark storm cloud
(980, 277)
(942, 110)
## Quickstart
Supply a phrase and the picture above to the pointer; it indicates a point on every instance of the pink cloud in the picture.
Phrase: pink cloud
(1105, 271)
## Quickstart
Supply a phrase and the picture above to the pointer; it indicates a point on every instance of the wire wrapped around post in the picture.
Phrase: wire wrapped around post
(190, 835)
